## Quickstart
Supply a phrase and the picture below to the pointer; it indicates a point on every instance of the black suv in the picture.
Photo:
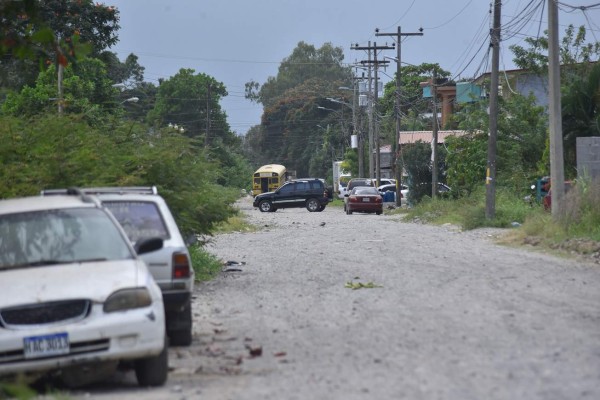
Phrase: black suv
(310, 193)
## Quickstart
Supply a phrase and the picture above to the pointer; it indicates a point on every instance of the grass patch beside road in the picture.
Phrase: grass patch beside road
(576, 230)
(206, 265)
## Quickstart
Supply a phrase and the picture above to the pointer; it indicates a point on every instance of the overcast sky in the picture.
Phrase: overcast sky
(236, 41)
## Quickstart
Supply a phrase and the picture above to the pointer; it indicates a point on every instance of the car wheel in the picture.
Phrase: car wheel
(182, 337)
(313, 205)
(265, 206)
(378, 212)
(153, 371)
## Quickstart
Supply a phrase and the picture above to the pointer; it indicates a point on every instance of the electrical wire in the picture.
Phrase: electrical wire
(453, 18)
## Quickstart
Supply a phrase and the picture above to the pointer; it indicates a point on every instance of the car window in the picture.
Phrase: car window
(365, 190)
(139, 219)
(286, 189)
(302, 186)
(60, 236)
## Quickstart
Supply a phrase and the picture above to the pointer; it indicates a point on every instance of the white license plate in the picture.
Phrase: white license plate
(46, 345)
(366, 199)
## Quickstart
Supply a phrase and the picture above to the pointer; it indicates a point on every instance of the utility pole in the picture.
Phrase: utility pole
(434, 140)
(557, 173)
(490, 176)
(357, 130)
(396, 146)
(60, 101)
(373, 126)
(208, 87)
(376, 124)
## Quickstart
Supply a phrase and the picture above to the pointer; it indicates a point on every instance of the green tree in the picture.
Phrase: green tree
(579, 84)
(573, 50)
(191, 101)
(87, 89)
(411, 77)
(305, 63)
(290, 132)
(522, 132)
(580, 114)
(49, 152)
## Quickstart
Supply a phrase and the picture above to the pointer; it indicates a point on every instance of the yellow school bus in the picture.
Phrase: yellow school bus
(268, 178)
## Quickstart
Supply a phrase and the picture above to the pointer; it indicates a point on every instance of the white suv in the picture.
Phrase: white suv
(143, 213)
(76, 298)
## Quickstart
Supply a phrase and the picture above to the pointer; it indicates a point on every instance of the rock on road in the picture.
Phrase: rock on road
(452, 316)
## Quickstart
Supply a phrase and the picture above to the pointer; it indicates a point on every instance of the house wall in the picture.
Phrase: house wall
(588, 158)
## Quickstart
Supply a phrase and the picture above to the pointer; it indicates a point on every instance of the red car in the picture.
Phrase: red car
(364, 199)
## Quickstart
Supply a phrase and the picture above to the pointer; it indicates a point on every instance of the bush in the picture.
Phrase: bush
(206, 265)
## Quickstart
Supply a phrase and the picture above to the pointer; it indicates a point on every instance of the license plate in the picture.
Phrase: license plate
(46, 345)
(366, 199)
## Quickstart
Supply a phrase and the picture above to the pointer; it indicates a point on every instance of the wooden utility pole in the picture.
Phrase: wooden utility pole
(375, 123)
(374, 170)
(60, 89)
(490, 176)
(557, 173)
(208, 87)
(396, 145)
(434, 139)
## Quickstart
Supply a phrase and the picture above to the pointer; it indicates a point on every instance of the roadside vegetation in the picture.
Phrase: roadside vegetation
(575, 231)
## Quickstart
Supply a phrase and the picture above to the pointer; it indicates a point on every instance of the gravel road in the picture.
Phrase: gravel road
(451, 316)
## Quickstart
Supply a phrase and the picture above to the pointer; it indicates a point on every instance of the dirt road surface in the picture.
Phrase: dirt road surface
(444, 315)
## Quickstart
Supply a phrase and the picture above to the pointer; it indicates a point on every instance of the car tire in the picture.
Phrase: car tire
(265, 206)
(313, 205)
(378, 212)
(153, 371)
(182, 337)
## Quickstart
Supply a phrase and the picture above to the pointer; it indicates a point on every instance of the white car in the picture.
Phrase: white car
(143, 213)
(75, 295)
(391, 187)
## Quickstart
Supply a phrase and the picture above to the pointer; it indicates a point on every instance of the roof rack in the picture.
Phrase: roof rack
(105, 190)
(71, 191)
(122, 190)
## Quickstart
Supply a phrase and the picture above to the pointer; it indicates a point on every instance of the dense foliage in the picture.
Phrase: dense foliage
(294, 129)
(50, 152)
(522, 133)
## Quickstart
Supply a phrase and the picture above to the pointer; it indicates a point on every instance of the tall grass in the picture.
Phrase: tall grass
(206, 265)
(469, 211)
(580, 217)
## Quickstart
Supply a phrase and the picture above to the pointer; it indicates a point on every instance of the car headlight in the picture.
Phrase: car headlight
(128, 299)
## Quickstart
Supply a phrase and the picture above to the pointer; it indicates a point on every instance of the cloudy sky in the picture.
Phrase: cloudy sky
(237, 41)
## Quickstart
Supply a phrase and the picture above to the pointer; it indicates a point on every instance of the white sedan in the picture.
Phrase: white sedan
(76, 299)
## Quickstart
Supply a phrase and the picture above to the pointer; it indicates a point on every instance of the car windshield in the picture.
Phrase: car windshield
(139, 219)
(59, 236)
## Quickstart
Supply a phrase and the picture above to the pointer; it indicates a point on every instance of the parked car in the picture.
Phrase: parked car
(387, 181)
(311, 193)
(144, 213)
(364, 199)
(354, 182)
(76, 297)
(547, 199)
(392, 188)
